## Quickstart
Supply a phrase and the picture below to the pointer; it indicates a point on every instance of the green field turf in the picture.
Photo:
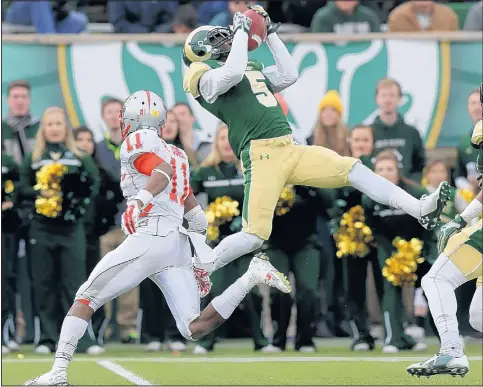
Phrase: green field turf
(239, 366)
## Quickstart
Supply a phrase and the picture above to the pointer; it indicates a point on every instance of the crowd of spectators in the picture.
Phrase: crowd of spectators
(339, 16)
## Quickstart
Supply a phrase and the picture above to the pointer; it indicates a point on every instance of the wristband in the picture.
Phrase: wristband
(144, 196)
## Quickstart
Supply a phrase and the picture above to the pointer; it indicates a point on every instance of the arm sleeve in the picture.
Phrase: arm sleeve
(218, 81)
(147, 162)
(284, 73)
(418, 158)
(93, 172)
(27, 179)
(117, 17)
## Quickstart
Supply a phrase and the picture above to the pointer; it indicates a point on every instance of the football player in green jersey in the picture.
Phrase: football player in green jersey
(240, 92)
(460, 245)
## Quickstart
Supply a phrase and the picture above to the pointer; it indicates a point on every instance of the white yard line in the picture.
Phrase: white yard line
(124, 373)
(300, 359)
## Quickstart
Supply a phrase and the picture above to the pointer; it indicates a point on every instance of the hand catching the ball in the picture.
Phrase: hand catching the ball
(271, 27)
(241, 21)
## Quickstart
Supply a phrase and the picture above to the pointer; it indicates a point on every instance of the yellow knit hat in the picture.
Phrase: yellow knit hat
(331, 99)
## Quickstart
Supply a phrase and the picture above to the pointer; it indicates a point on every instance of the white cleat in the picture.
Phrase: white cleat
(154, 346)
(95, 350)
(389, 349)
(440, 364)
(432, 206)
(199, 350)
(263, 272)
(52, 378)
(307, 349)
(43, 350)
(13, 346)
(5, 350)
(176, 346)
(270, 349)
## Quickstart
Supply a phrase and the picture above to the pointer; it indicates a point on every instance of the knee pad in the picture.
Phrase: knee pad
(253, 241)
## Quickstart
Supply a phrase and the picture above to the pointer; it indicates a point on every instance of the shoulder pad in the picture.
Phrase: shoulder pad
(477, 136)
(255, 65)
(193, 75)
(139, 142)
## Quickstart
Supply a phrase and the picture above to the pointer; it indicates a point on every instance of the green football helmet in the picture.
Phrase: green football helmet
(207, 42)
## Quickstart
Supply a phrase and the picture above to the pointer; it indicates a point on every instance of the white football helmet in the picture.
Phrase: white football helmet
(142, 110)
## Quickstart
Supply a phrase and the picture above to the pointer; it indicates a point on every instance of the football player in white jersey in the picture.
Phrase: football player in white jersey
(155, 181)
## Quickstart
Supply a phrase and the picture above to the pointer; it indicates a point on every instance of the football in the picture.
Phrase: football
(258, 30)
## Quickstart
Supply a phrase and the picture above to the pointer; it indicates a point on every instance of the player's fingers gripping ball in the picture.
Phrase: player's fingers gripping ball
(258, 29)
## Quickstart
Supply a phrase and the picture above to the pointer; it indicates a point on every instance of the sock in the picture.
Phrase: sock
(73, 328)
(472, 210)
(383, 191)
(234, 246)
(420, 321)
(476, 310)
(439, 286)
(226, 303)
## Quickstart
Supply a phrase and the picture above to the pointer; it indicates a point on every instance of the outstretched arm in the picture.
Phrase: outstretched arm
(284, 73)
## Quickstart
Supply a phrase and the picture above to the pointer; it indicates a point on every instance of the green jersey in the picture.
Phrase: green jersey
(249, 109)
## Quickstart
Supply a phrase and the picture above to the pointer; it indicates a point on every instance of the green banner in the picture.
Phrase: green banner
(436, 78)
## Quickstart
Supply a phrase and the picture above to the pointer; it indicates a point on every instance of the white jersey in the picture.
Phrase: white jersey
(166, 211)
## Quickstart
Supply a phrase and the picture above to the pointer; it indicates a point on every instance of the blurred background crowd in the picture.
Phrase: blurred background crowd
(52, 237)
(139, 17)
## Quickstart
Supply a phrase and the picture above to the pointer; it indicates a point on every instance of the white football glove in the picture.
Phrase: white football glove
(130, 219)
(241, 21)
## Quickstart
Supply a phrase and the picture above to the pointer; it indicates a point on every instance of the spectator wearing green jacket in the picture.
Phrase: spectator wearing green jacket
(57, 243)
(388, 223)
(345, 17)
(10, 224)
(361, 147)
(392, 132)
(465, 171)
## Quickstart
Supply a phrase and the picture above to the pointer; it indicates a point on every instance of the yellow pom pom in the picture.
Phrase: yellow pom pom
(466, 194)
(48, 179)
(354, 235)
(9, 187)
(219, 212)
(401, 267)
(285, 201)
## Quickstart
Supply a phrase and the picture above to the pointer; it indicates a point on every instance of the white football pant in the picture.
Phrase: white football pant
(166, 260)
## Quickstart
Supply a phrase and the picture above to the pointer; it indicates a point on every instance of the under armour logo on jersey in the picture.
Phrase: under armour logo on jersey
(264, 157)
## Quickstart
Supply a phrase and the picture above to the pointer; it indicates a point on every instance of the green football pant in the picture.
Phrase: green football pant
(357, 292)
(393, 313)
(221, 280)
(305, 265)
(58, 263)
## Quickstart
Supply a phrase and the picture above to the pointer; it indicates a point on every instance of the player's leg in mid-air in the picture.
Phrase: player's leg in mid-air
(270, 164)
(138, 257)
(460, 262)
(323, 168)
(180, 290)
